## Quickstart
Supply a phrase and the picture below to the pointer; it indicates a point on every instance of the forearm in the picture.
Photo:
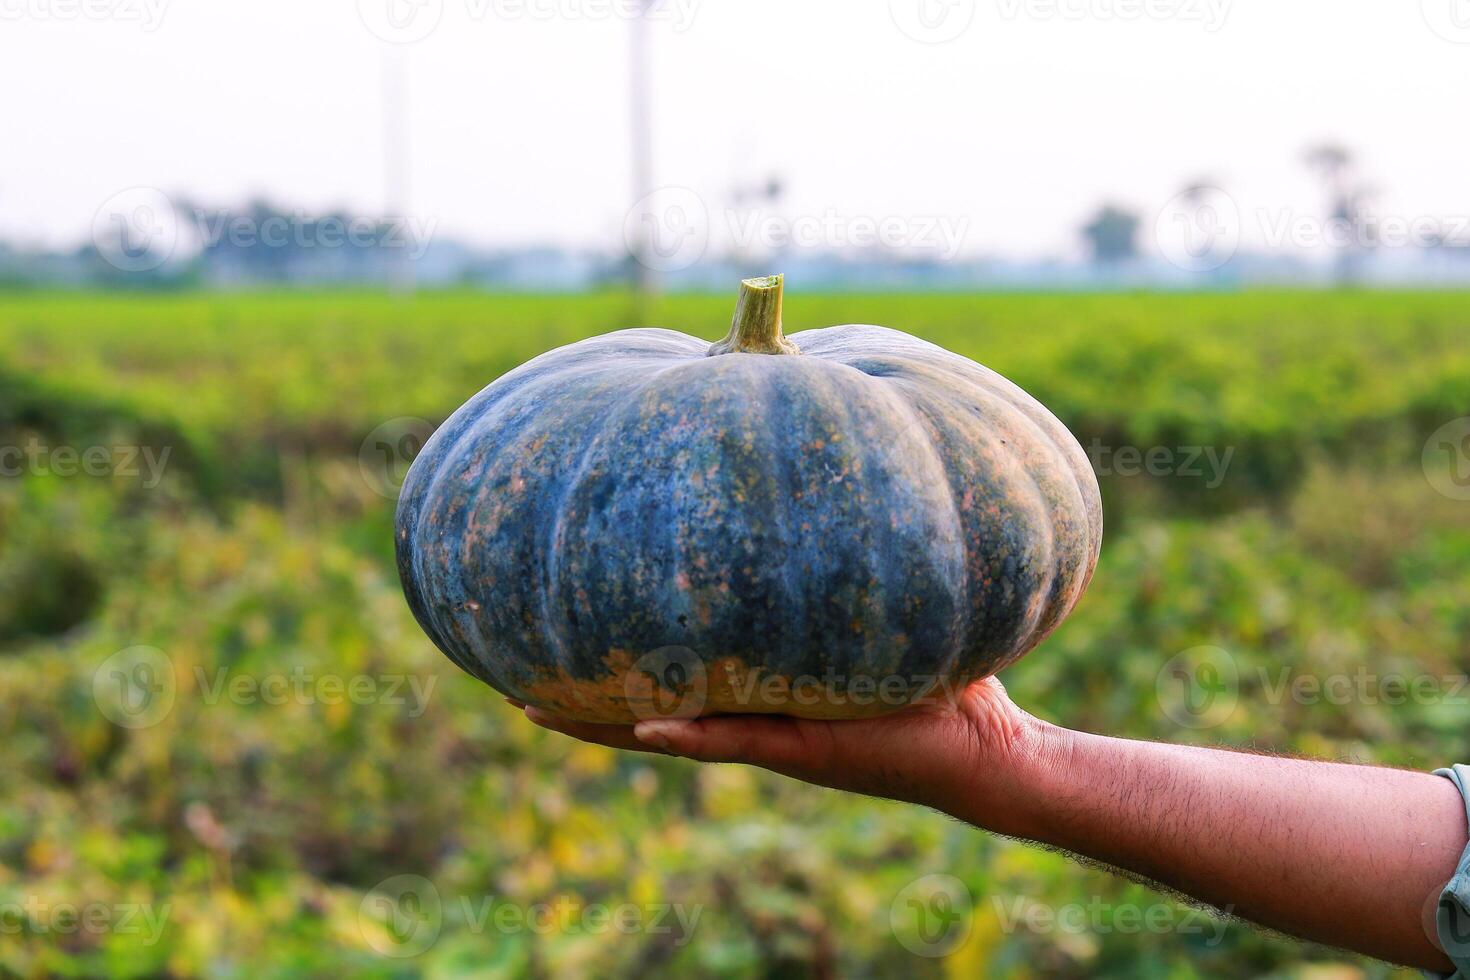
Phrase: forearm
(1340, 854)
(1344, 855)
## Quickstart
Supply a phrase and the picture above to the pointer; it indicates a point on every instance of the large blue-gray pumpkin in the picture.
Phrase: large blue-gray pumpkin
(834, 524)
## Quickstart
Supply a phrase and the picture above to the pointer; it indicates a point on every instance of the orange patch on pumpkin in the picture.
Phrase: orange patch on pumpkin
(628, 693)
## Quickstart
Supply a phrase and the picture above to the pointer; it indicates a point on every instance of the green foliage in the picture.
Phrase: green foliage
(240, 378)
(258, 813)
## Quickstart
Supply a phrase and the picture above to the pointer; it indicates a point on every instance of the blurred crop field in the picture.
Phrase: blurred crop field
(1279, 519)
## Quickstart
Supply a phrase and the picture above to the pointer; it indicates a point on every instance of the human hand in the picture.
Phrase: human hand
(1250, 834)
(973, 755)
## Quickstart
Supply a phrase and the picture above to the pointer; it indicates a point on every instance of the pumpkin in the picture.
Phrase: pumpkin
(833, 525)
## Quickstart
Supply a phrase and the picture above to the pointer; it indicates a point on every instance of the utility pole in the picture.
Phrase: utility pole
(396, 162)
(644, 285)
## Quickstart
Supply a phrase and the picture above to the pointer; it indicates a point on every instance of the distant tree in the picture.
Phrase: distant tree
(1112, 235)
(1333, 160)
(261, 242)
(766, 191)
(1347, 207)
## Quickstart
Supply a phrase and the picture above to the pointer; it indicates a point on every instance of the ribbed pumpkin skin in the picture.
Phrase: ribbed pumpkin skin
(873, 510)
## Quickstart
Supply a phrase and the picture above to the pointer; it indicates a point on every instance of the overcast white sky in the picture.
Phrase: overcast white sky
(519, 120)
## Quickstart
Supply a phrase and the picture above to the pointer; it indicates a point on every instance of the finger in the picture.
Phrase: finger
(788, 745)
(613, 736)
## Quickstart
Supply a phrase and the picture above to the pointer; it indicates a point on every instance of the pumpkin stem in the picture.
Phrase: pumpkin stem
(756, 328)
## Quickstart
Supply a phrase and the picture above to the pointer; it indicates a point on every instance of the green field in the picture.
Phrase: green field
(254, 828)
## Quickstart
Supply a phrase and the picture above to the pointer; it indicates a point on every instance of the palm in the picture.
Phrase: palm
(909, 755)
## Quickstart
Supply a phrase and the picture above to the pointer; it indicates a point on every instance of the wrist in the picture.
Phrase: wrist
(1015, 792)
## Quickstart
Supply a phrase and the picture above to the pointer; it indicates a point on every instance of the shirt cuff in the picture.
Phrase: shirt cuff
(1452, 914)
